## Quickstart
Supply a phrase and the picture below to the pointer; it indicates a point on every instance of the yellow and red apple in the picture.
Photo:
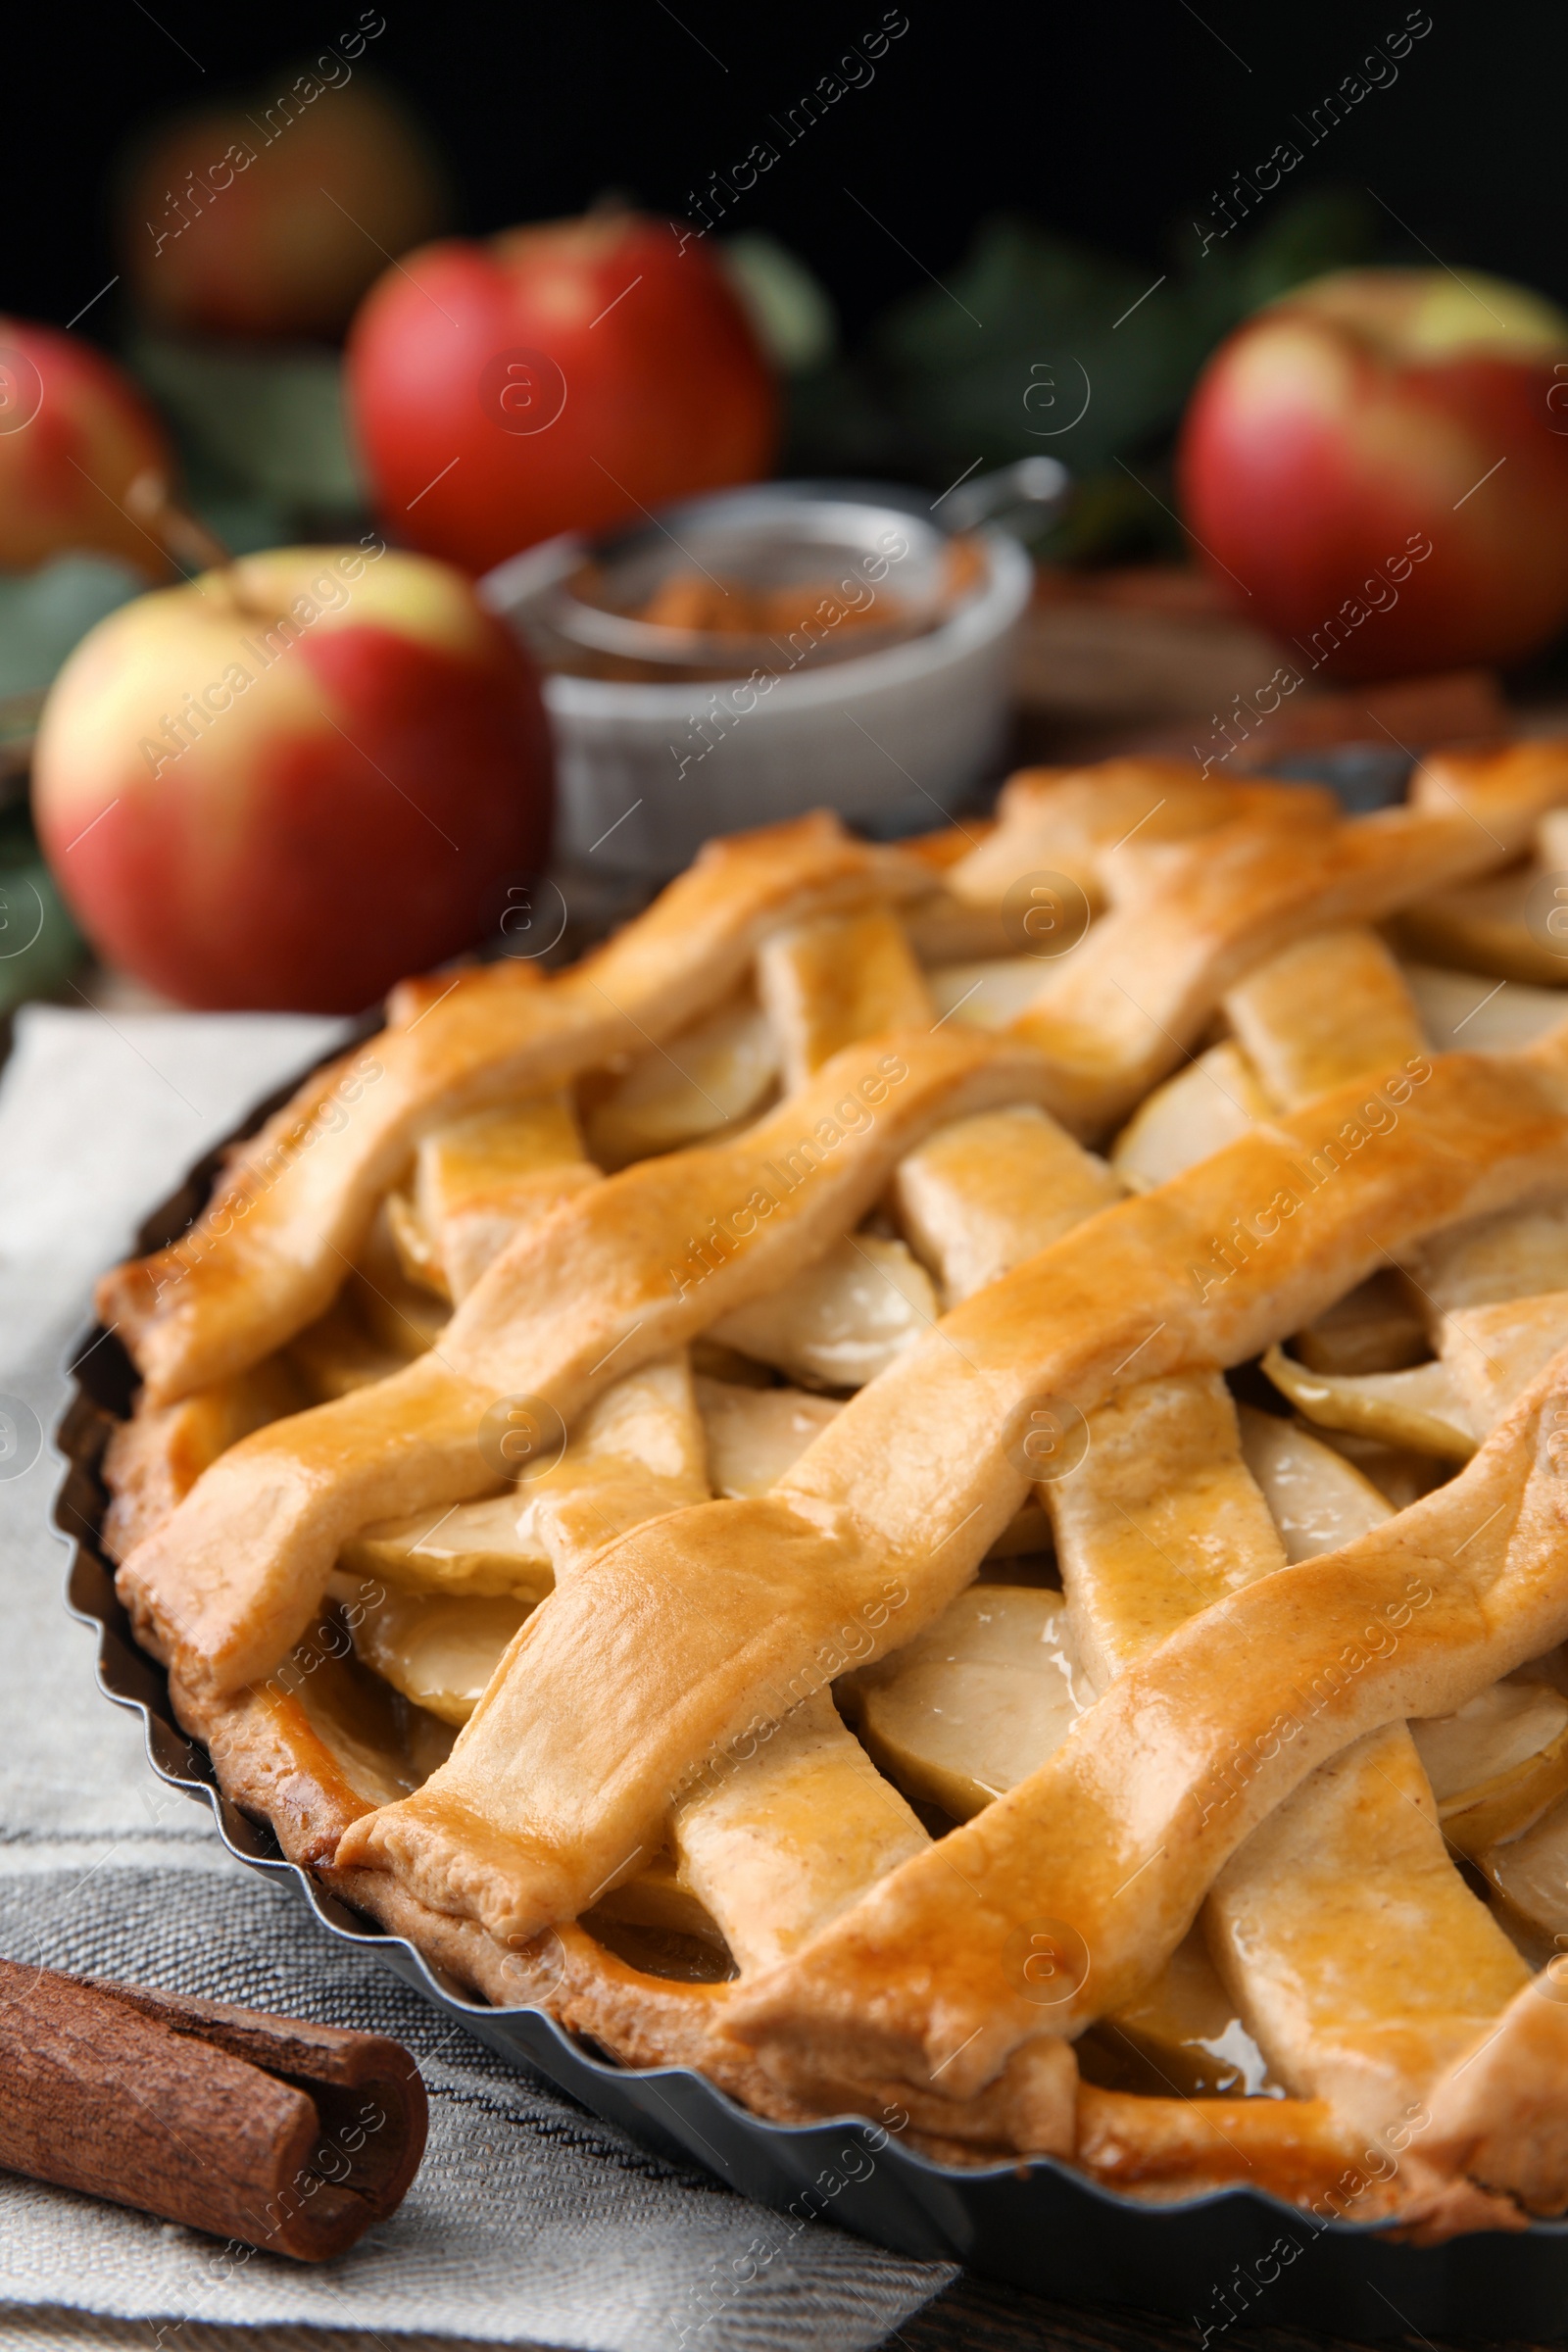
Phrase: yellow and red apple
(289, 781)
(1377, 465)
(75, 433)
(273, 220)
(555, 378)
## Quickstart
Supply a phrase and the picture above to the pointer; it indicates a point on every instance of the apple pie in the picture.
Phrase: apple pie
(936, 1484)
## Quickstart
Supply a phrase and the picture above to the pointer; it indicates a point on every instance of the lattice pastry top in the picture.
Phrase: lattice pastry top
(1057, 1653)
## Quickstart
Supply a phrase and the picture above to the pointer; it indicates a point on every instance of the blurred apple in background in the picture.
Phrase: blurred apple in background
(1366, 415)
(550, 380)
(289, 781)
(272, 220)
(74, 434)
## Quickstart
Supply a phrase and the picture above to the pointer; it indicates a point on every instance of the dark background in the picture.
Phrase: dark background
(1112, 125)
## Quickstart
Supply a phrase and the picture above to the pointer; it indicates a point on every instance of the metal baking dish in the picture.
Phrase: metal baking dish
(1235, 2256)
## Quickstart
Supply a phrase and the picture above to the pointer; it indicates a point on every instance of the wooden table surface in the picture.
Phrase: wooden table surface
(977, 2316)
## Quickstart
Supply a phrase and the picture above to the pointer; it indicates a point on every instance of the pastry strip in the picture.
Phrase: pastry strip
(1124, 1006)
(1324, 1010)
(1178, 1763)
(268, 1253)
(839, 977)
(1358, 1959)
(1072, 824)
(1309, 1019)
(636, 1454)
(706, 1080)
(779, 1840)
(481, 1179)
(1162, 1518)
(1361, 1963)
(624, 1272)
(153, 1459)
(266, 1257)
(782, 1842)
(983, 1195)
(904, 1492)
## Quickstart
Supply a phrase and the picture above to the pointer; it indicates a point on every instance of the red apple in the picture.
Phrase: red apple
(554, 379)
(274, 219)
(75, 433)
(1379, 461)
(287, 782)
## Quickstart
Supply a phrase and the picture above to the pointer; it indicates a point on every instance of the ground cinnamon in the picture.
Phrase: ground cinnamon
(285, 2135)
(747, 608)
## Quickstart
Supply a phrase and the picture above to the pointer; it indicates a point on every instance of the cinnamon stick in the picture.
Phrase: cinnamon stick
(285, 2135)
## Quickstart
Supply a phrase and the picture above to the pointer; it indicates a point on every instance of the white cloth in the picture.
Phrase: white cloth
(530, 2222)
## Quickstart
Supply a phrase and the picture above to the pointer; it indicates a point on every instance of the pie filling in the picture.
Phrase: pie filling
(940, 1487)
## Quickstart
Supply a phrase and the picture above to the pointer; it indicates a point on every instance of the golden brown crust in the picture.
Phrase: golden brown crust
(1197, 917)
(624, 1272)
(1149, 1786)
(1499, 2114)
(580, 1741)
(1298, 2150)
(273, 1762)
(1072, 822)
(266, 1256)
(153, 1459)
(874, 1991)
(266, 1259)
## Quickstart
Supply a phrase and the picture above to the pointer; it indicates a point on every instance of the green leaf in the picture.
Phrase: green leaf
(44, 613)
(790, 309)
(267, 425)
(1326, 229)
(1036, 343)
(40, 945)
(837, 422)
